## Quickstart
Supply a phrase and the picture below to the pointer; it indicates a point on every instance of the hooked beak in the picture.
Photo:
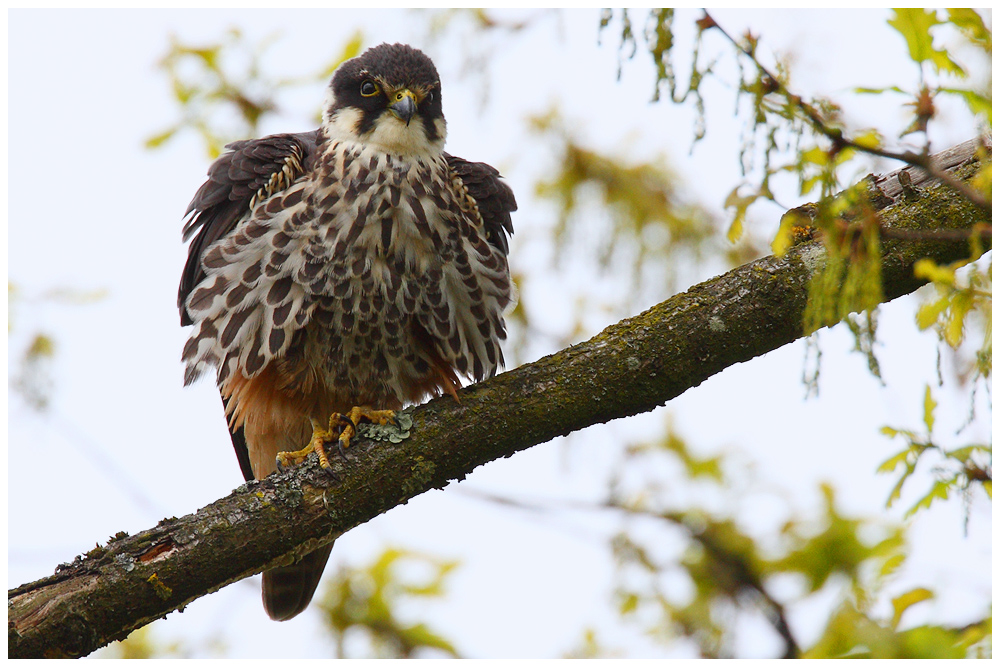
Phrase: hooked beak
(405, 105)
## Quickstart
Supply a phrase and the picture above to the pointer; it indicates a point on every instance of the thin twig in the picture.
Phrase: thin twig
(836, 135)
(746, 576)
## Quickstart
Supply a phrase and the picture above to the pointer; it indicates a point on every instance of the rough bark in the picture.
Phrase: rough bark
(629, 368)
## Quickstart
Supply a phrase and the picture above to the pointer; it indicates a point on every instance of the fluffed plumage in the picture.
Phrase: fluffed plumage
(356, 265)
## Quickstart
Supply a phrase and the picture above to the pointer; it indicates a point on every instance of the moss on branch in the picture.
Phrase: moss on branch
(629, 368)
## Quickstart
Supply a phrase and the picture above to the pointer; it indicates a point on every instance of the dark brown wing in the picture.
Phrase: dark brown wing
(493, 196)
(240, 446)
(249, 169)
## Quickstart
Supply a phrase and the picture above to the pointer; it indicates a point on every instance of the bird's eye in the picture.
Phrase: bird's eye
(368, 88)
(430, 96)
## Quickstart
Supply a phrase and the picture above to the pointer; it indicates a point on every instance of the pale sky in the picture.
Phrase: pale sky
(125, 445)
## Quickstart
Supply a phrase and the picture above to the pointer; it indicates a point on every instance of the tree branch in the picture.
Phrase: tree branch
(629, 368)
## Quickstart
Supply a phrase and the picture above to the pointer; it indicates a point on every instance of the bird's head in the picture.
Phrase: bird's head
(389, 96)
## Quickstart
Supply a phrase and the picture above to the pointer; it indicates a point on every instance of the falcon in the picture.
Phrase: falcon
(334, 276)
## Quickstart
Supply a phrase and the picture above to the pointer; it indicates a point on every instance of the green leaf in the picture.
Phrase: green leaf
(871, 139)
(915, 27)
(961, 304)
(930, 270)
(929, 641)
(978, 103)
(903, 602)
(962, 454)
(42, 347)
(816, 155)
(893, 462)
(351, 49)
(929, 405)
(879, 91)
(158, 140)
(971, 23)
(928, 313)
(891, 564)
(939, 491)
(696, 467)
(420, 635)
(897, 490)
(735, 230)
(741, 204)
(943, 62)
(629, 603)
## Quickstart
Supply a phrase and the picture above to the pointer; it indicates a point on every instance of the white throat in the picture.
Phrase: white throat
(388, 134)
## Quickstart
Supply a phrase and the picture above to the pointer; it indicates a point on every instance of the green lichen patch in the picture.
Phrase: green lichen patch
(391, 432)
(422, 471)
(161, 589)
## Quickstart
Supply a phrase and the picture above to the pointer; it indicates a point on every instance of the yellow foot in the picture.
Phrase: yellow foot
(321, 436)
(353, 418)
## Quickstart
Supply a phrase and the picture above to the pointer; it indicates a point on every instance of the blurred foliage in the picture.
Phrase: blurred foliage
(625, 217)
(627, 221)
(642, 201)
(960, 302)
(480, 36)
(363, 603)
(139, 645)
(31, 377)
(219, 83)
(854, 634)
(590, 647)
(143, 644)
(957, 470)
(723, 570)
(808, 138)
(659, 37)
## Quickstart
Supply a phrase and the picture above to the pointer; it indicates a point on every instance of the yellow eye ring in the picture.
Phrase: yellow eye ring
(369, 89)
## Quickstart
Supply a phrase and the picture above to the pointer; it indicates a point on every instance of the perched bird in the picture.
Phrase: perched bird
(335, 275)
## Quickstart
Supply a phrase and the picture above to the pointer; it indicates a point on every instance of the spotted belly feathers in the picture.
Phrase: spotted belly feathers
(374, 271)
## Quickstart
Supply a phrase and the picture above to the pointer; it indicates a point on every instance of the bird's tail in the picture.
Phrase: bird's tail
(287, 590)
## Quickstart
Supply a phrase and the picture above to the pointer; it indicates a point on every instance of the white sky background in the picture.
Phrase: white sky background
(90, 208)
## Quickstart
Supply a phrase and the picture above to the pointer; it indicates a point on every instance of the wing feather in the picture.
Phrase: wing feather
(236, 181)
(493, 196)
(470, 337)
(247, 173)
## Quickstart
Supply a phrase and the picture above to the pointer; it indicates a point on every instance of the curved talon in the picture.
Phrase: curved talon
(354, 416)
(348, 424)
